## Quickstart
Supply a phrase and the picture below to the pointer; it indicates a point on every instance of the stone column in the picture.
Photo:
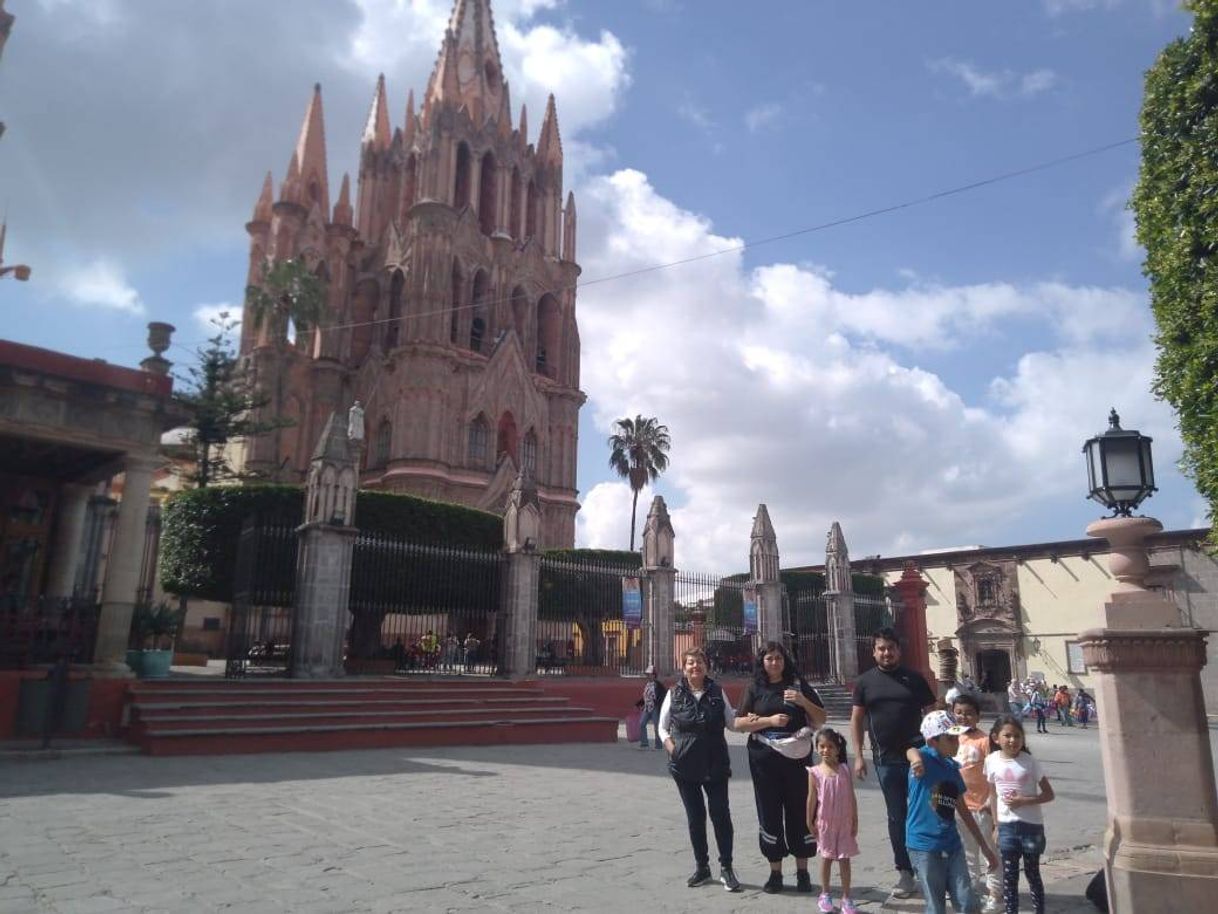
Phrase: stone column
(659, 587)
(123, 567)
(1161, 844)
(912, 623)
(69, 539)
(521, 534)
(839, 596)
(323, 591)
(763, 572)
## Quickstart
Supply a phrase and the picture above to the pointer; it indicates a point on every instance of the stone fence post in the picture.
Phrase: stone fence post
(521, 531)
(839, 599)
(763, 574)
(660, 587)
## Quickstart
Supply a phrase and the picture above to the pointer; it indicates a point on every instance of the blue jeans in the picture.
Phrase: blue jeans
(942, 873)
(654, 716)
(894, 783)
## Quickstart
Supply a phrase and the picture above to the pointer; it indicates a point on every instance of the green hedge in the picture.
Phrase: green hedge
(201, 528)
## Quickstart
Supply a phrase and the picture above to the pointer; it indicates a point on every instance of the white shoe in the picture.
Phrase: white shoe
(906, 885)
(992, 905)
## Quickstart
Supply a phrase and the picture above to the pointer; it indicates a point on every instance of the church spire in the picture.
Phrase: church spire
(266, 199)
(311, 154)
(469, 70)
(342, 209)
(409, 127)
(549, 144)
(376, 130)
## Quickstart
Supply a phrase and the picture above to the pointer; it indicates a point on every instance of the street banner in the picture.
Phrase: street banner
(750, 610)
(632, 603)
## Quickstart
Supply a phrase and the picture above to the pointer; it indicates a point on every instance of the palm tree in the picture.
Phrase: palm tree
(288, 292)
(638, 450)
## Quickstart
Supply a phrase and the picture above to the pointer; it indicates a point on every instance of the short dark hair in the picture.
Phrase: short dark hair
(964, 698)
(886, 634)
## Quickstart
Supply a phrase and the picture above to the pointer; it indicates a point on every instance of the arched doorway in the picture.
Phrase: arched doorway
(993, 670)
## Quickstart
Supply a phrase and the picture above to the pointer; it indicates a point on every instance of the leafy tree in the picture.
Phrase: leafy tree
(288, 292)
(1176, 206)
(222, 406)
(638, 451)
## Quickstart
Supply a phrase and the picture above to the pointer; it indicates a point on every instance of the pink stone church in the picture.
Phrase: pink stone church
(451, 287)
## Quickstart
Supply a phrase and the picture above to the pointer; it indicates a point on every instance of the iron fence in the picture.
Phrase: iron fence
(709, 613)
(806, 628)
(259, 639)
(424, 609)
(871, 613)
(47, 630)
(580, 626)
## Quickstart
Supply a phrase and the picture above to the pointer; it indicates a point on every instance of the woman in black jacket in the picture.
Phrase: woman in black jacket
(692, 721)
(778, 709)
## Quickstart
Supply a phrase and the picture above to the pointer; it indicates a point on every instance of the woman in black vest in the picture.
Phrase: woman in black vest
(777, 705)
(692, 720)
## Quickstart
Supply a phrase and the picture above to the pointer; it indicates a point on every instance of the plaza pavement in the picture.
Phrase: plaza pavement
(513, 828)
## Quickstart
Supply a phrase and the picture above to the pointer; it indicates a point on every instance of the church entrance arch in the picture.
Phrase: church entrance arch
(993, 670)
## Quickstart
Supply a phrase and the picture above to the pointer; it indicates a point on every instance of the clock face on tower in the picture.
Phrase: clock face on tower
(465, 66)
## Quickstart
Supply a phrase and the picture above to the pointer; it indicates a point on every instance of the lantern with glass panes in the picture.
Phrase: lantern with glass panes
(1120, 474)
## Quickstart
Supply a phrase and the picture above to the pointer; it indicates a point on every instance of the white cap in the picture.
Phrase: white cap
(651, 668)
(940, 723)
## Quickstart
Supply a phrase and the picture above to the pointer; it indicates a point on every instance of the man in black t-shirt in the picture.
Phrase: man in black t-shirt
(893, 700)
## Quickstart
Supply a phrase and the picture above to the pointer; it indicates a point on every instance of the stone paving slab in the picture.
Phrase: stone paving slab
(588, 828)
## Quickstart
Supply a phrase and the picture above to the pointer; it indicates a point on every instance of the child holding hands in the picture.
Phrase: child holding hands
(833, 816)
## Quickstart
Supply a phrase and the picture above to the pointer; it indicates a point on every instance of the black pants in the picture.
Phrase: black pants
(780, 786)
(720, 814)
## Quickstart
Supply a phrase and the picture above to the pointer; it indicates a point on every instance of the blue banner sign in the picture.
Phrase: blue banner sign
(750, 610)
(632, 604)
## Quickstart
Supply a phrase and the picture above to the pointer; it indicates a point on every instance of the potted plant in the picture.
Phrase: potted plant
(156, 625)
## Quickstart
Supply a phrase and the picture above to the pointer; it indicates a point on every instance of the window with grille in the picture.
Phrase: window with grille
(478, 434)
(528, 454)
(384, 435)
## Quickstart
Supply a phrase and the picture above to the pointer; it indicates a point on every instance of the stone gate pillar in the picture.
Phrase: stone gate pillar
(1161, 844)
(521, 533)
(912, 623)
(763, 574)
(323, 563)
(839, 596)
(660, 589)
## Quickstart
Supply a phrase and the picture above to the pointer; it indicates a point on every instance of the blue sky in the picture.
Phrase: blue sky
(924, 377)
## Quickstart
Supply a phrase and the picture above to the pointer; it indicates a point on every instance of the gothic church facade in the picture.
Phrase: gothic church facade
(450, 281)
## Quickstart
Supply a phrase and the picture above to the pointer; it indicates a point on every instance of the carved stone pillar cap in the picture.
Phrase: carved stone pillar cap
(1179, 649)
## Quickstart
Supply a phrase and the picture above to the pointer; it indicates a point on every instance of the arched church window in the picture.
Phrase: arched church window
(987, 591)
(477, 328)
(410, 189)
(530, 210)
(488, 180)
(479, 318)
(462, 178)
(520, 315)
(454, 321)
(528, 453)
(505, 437)
(547, 336)
(478, 435)
(514, 205)
(384, 438)
(393, 328)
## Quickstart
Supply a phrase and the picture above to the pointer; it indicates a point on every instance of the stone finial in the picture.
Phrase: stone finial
(763, 549)
(837, 562)
(159, 337)
(330, 490)
(658, 536)
(522, 516)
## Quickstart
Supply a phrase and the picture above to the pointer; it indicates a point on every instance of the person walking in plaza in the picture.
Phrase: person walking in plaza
(974, 747)
(1082, 708)
(1062, 700)
(1040, 708)
(936, 796)
(693, 718)
(1019, 789)
(891, 699)
(781, 711)
(833, 816)
(1015, 697)
(653, 698)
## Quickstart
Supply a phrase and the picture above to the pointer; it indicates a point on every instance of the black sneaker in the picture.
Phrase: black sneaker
(803, 882)
(728, 877)
(701, 876)
(773, 885)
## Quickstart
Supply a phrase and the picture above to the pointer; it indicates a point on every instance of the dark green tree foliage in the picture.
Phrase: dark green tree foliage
(1176, 205)
(222, 406)
(584, 587)
(201, 529)
(288, 292)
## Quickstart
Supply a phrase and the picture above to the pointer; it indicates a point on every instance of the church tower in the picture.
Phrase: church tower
(450, 282)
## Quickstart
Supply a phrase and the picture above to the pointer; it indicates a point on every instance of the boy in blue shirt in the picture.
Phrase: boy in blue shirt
(936, 795)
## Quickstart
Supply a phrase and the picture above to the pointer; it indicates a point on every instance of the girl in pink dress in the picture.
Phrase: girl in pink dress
(833, 816)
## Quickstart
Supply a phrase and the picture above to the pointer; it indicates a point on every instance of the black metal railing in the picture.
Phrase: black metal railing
(871, 613)
(581, 630)
(710, 614)
(46, 630)
(259, 638)
(808, 632)
(424, 609)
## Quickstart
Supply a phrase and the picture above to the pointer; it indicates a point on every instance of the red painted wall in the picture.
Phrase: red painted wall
(106, 699)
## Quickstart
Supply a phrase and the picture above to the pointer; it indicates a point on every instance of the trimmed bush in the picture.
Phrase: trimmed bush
(201, 528)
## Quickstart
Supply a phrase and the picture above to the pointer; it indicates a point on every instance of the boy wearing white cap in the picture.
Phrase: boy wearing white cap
(931, 836)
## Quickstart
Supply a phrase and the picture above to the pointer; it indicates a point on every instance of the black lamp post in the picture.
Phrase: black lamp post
(1120, 474)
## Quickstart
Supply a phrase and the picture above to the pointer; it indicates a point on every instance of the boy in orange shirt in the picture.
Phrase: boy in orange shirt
(974, 747)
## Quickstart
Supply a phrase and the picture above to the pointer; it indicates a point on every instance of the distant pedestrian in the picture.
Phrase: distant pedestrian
(833, 816)
(470, 645)
(693, 718)
(651, 702)
(1040, 708)
(1019, 790)
(1015, 698)
(1062, 700)
(1082, 708)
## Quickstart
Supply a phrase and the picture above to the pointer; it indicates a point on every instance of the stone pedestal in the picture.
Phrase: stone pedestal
(123, 568)
(323, 589)
(843, 644)
(1161, 844)
(520, 614)
(659, 624)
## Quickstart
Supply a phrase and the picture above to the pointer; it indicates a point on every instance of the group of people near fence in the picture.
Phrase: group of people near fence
(1034, 698)
(937, 771)
(431, 652)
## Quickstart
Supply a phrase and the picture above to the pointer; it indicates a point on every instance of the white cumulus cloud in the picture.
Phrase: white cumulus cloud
(101, 284)
(998, 84)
